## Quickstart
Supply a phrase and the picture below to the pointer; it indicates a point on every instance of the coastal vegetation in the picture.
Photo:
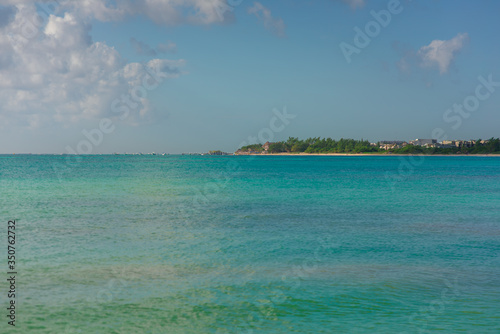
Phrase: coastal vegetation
(315, 145)
(353, 146)
(253, 148)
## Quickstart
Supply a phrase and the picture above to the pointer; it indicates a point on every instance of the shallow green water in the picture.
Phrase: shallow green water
(199, 244)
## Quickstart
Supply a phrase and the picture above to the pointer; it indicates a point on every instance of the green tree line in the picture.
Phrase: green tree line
(329, 145)
(316, 145)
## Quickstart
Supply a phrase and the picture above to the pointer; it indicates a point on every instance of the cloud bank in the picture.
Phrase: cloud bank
(164, 12)
(51, 71)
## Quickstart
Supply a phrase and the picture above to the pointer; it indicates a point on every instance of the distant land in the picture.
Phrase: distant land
(295, 146)
(329, 146)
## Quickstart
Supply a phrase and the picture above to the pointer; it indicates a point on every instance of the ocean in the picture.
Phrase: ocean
(252, 244)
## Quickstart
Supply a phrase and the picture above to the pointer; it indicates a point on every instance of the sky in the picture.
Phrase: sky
(180, 76)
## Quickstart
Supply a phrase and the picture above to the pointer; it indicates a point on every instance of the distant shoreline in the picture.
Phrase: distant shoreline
(302, 154)
(372, 154)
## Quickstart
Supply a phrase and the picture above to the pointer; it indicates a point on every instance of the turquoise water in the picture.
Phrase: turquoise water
(235, 244)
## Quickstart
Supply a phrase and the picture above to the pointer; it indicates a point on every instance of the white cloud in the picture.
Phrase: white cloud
(52, 70)
(441, 53)
(277, 26)
(57, 73)
(165, 12)
(171, 12)
(101, 10)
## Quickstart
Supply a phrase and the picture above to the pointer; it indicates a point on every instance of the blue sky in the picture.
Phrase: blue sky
(225, 68)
